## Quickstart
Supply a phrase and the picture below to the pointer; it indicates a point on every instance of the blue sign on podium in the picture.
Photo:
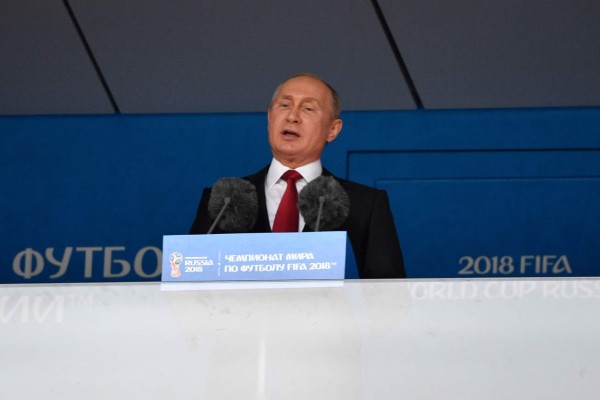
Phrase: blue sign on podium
(254, 256)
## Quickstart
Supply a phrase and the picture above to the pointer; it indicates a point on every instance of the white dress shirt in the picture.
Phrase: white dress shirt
(275, 186)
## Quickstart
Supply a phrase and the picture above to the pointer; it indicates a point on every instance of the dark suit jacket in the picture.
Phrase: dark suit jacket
(370, 226)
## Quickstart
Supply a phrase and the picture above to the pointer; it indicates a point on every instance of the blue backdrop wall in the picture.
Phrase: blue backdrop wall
(474, 193)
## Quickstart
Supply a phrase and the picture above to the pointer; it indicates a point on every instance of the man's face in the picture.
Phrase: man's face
(301, 121)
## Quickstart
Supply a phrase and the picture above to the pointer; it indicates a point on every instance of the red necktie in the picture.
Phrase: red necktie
(286, 219)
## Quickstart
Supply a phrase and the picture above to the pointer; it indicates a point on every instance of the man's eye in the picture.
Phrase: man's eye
(284, 105)
(309, 109)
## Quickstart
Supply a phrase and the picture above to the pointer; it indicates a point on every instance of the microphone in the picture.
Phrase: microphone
(233, 204)
(324, 204)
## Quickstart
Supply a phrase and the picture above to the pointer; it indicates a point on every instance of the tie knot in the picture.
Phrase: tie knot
(291, 176)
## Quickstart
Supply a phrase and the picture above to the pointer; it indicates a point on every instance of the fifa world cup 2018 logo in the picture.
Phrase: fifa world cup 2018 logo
(176, 259)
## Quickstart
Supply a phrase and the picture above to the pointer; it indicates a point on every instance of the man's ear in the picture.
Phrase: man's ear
(334, 130)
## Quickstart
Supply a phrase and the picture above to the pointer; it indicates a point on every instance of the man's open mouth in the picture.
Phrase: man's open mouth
(290, 133)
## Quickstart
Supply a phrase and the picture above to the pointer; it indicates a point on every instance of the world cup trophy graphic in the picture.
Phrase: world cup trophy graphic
(176, 259)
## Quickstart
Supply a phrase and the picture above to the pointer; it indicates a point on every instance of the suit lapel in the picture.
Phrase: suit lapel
(262, 219)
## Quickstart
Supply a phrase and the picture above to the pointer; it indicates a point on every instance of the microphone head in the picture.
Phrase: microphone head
(241, 213)
(336, 205)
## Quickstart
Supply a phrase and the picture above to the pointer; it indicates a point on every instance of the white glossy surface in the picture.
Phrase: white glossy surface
(453, 339)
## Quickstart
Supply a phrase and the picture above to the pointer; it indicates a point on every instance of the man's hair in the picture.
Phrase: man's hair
(335, 97)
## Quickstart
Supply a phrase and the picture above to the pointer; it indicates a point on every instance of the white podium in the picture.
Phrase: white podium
(409, 339)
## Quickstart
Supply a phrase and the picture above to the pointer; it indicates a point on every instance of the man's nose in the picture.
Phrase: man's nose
(293, 115)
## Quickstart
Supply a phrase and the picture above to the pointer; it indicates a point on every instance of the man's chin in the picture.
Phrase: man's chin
(287, 149)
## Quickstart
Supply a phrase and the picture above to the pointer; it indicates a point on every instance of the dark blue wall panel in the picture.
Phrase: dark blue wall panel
(89, 198)
(491, 213)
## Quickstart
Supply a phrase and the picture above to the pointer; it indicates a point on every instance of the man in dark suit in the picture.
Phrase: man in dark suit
(303, 117)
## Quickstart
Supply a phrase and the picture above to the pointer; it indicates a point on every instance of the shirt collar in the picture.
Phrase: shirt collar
(309, 171)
